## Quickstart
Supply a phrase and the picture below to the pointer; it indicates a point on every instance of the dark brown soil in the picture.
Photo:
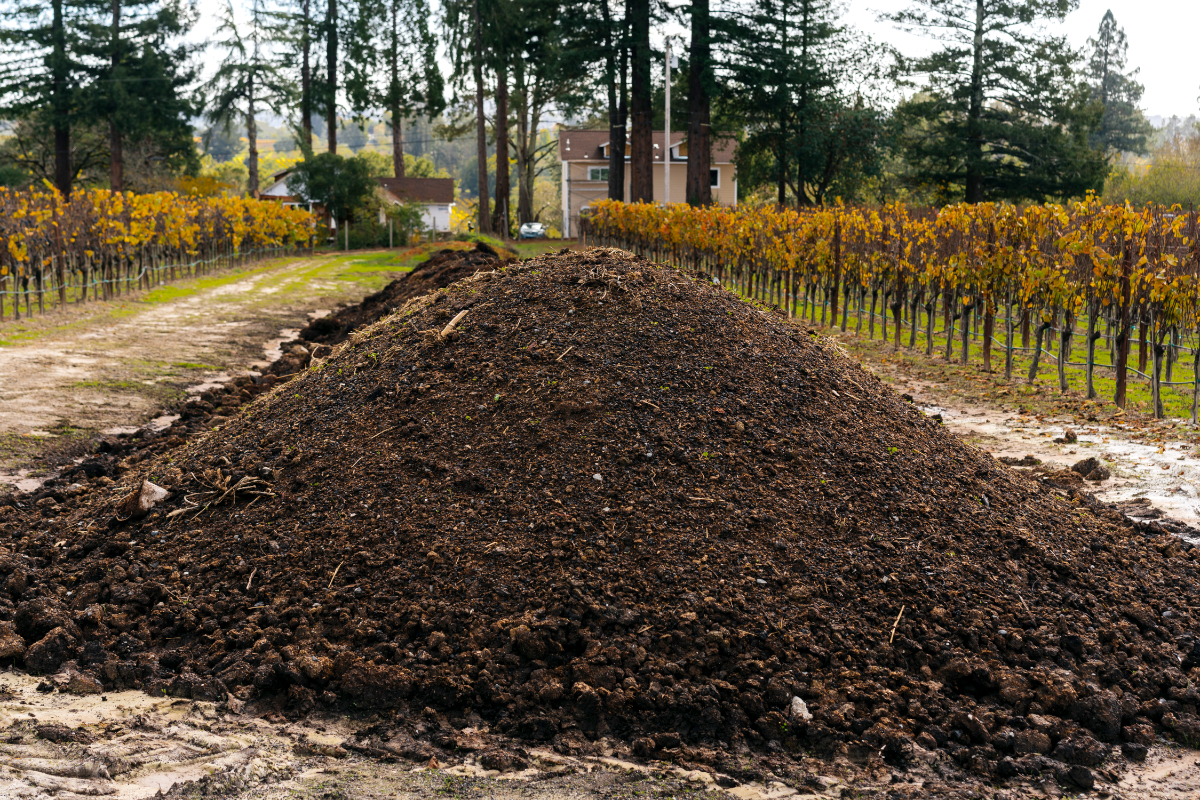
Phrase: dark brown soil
(616, 501)
(440, 270)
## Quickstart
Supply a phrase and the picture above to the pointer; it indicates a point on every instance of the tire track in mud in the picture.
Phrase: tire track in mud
(89, 372)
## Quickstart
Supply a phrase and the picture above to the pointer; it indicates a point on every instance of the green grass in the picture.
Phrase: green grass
(128, 386)
(191, 365)
(1042, 395)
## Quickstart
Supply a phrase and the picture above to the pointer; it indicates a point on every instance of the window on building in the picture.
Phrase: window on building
(714, 178)
(597, 173)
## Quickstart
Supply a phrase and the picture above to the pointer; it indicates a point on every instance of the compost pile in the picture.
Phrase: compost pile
(588, 496)
(441, 269)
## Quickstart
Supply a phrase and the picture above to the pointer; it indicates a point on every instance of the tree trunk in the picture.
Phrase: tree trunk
(1156, 403)
(1037, 354)
(871, 316)
(1122, 343)
(484, 218)
(1064, 350)
(974, 187)
(397, 142)
(394, 94)
(965, 356)
(616, 156)
(1092, 336)
(641, 140)
(1144, 341)
(930, 308)
(306, 103)
(503, 189)
(989, 325)
(1008, 337)
(528, 116)
(61, 103)
(699, 184)
(331, 48)
(116, 156)
(251, 142)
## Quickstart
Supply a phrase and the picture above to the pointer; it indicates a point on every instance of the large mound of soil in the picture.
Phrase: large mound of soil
(613, 500)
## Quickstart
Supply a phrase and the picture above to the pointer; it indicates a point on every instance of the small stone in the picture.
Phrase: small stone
(799, 710)
(597, 477)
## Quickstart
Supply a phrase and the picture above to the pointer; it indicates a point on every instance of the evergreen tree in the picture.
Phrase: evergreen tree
(247, 79)
(1115, 88)
(138, 77)
(392, 65)
(39, 70)
(641, 134)
(700, 86)
(797, 77)
(1001, 117)
(296, 32)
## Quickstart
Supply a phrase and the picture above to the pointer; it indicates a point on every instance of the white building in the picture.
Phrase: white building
(435, 194)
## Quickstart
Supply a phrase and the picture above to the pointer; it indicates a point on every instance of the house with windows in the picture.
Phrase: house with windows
(435, 195)
(584, 157)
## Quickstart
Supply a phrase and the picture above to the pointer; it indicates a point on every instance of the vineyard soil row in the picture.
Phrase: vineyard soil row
(70, 374)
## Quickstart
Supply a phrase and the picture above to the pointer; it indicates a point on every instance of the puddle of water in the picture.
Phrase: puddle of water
(21, 480)
(273, 348)
(160, 423)
(1166, 474)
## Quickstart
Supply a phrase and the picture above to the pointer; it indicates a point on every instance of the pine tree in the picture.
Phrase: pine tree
(1001, 116)
(392, 65)
(247, 79)
(296, 32)
(137, 77)
(39, 70)
(1123, 126)
(641, 134)
(791, 64)
(700, 79)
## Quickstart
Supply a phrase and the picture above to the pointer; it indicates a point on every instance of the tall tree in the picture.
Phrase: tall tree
(295, 32)
(700, 76)
(462, 22)
(138, 74)
(1001, 117)
(330, 32)
(1122, 126)
(391, 64)
(641, 136)
(247, 79)
(38, 69)
(547, 72)
(485, 218)
(798, 78)
(497, 42)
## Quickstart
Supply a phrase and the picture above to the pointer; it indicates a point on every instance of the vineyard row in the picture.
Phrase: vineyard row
(100, 244)
(1104, 273)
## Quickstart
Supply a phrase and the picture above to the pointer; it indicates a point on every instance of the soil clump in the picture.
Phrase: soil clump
(586, 496)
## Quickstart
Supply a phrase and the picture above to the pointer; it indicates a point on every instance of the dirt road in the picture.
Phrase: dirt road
(107, 367)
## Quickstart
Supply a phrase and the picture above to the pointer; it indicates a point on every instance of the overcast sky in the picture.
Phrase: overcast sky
(1161, 33)
(1162, 41)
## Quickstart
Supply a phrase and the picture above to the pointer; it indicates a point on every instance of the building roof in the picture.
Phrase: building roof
(584, 145)
(420, 190)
